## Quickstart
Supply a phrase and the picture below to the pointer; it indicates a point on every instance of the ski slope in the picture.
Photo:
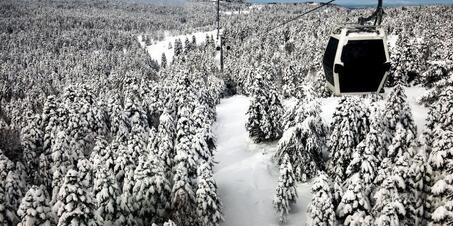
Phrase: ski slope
(155, 50)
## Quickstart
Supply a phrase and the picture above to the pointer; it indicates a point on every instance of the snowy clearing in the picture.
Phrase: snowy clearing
(155, 50)
(245, 174)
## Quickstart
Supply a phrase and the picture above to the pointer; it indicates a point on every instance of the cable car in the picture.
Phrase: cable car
(356, 60)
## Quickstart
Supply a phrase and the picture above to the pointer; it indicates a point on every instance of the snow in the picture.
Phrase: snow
(392, 39)
(245, 174)
(236, 12)
(157, 48)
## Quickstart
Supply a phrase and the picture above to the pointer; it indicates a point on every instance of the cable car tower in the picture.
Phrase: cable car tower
(219, 40)
(356, 60)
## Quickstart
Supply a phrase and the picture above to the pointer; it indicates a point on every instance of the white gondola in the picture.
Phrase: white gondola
(356, 60)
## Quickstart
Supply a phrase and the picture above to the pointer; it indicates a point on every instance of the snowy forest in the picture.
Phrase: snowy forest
(115, 112)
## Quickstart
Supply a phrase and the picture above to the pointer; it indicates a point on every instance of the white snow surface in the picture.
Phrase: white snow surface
(245, 174)
(157, 48)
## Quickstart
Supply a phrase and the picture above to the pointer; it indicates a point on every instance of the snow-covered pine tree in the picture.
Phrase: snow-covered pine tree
(151, 190)
(341, 150)
(321, 211)
(64, 157)
(286, 192)
(194, 41)
(401, 143)
(183, 197)
(351, 108)
(354, 206)
(6, 166)
(389, 208)
(7, 214)
(396, 110)
(304, 143)
(418, 187)
(32, 138)
(274, 113)
(84, 168)
(364, 164)
(349, 127)
(184, 146)
(439, 117)
(14, 189)
(166, 135)
(440, 160)
(265, 110)
(104, 154)
(443, 191)
(106, 193)
(163, 61)
(433, 95)
(178, 47)
(209, 207)
(126, 201)
(34, 210)
(187, 45)
(74, 205)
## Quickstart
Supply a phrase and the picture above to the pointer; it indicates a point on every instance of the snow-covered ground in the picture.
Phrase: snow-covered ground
(236, 12)
(245, 174)
(247, 177)
(157, 48)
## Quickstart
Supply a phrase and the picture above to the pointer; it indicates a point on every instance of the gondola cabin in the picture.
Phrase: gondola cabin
(356, 61)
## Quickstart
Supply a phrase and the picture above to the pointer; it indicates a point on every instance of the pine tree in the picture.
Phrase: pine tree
(355, 205)
(397, 110)
(363, 165)
(265, 110)
(401, 142)
(349, 127)
(32, 138)
(341, 150)
(151, 190)
(321, 210)
(443, 190)
(64, 157)
(74, 205)
(7, 215)
(389, 208)
(438, 140)
(418, 187)
(187, 45)
(6, 166)
(34, 210)
(178, 47)
(183, 197)
(127, 204)
(184, 146)
(165, 139)
(163, 61)
(106, 192)
(304, 143)
(14, 188)
(84, 168)
(209, 207)
(194, 41)
(286, 192)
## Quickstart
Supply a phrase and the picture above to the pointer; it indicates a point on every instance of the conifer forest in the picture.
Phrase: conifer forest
(149, 113)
